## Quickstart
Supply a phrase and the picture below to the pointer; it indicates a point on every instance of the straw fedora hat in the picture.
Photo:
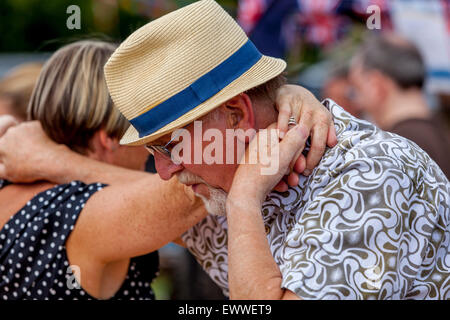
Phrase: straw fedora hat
(180, 67)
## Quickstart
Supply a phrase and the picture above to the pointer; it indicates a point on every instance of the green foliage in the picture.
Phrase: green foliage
(33, 25)
(37, 25)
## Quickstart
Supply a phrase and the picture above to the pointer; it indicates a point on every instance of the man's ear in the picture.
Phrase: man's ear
(240, 113)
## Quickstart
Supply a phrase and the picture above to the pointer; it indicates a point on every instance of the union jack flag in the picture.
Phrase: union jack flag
(319, 22)
(249, 13)
(360, 6)
(446, 7)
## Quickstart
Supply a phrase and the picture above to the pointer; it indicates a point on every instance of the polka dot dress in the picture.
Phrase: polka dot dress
(33, 259)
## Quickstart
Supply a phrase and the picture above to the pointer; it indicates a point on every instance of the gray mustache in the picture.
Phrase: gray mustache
(186, 177)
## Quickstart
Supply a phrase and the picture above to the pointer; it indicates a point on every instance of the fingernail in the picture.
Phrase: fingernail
(281, 134)
(307, 172)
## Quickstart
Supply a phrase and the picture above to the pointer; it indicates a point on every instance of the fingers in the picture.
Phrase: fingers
(283, 118)
(293, 163)
(288, 106)
(318, 142)
(281, 186)
(293, 179)
(300, 164)
(293, 142)
(332, 138)
(6, 122)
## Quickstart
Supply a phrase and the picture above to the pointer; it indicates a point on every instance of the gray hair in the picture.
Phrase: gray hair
(395, 57)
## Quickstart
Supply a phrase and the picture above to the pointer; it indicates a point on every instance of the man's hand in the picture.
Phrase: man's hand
(314, 118)
(6, 122)
(24, 150)
(250, 183)
(252, 270)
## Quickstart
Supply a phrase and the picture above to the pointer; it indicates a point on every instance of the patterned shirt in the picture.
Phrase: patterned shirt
(371, 222)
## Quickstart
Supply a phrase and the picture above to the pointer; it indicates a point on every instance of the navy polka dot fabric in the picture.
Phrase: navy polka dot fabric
(33, 259)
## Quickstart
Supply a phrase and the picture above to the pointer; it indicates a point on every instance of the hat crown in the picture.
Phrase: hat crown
(167, 55)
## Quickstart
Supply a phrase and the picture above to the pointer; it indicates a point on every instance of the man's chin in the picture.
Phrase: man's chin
(201, 189)
(215, 200)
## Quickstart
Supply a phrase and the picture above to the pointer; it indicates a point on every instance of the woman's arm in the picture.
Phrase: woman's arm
(27, 154)
(142, 209)
(252, 271)
(123, 221)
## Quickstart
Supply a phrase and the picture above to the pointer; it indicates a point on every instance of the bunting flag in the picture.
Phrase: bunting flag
(250, 12)
(319, 22)
(318, 6)
(360, 6)
(263, 20)
(446, 8)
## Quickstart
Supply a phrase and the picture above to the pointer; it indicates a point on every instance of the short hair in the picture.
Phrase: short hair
(268, 89)
(17, 85)
(395, 57)
(71, 98)
(265, 92)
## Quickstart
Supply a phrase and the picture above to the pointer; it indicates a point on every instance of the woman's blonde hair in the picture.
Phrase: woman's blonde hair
(71, 98)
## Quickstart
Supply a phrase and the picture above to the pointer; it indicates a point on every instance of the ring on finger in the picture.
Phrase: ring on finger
(292, 121)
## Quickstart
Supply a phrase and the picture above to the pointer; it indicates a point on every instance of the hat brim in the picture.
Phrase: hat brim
(264, 70)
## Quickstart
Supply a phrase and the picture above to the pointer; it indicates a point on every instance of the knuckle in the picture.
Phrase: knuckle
(308, 113)
(324, 118)
(298, 100)
(285, 110)
(322, 124)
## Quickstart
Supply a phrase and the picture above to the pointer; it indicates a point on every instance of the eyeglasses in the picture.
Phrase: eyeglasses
(164, 150)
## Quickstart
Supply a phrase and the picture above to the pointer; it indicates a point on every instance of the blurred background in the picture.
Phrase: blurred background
(386, 61)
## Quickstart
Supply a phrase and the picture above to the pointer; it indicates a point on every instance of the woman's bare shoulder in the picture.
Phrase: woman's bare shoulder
(14, 196)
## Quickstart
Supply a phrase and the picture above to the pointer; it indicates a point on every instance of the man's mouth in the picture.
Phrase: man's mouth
(190, 184)
(193, 185)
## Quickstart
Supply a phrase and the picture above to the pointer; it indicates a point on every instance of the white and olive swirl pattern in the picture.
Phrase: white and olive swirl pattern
(371, 222)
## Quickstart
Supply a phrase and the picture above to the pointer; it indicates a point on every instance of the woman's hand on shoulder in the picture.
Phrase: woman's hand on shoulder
(266, 161)
(293, 101)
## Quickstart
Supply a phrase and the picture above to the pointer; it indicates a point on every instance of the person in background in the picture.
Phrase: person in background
(444, 112)
(16, 88)
(338, 87)
(388, 74)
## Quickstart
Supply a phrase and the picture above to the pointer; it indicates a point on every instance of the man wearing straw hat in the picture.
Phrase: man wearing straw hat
(370, 222)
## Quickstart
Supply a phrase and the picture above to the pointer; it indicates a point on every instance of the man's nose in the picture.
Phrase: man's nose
(165, 167)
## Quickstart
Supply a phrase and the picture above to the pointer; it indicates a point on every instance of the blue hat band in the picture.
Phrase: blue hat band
(198, 92)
